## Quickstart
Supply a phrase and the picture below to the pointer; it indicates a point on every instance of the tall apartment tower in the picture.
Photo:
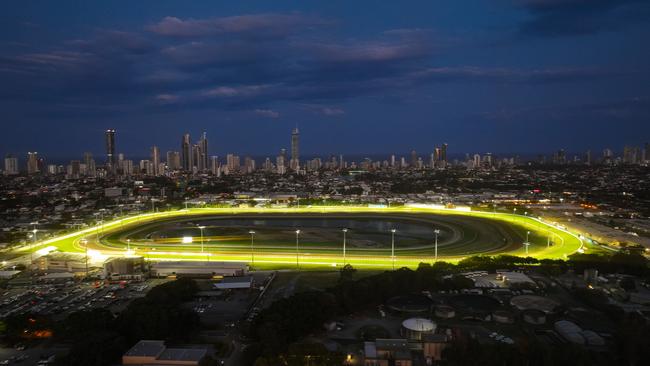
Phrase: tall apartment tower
(11, 165)
(204, 159)
(90, 164)
(294, 164)
(155, 160)
(173, 160)
(110, 149)
(186, 153)
(32, 162)
(443, 153)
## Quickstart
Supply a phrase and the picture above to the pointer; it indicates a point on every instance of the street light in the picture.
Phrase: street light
(392, 246)
(128, 244)
(297, 250)
(201, 228)
(527, 243)
(85, 243)
(436, 232)
(252, 250)
(345, 230)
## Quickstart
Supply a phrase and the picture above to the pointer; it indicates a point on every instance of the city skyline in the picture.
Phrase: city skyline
(532, 75)
(196, 158)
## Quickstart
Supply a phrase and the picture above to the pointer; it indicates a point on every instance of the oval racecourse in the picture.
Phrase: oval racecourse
(224, 234)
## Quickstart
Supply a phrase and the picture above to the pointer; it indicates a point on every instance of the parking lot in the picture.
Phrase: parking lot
(59, 300)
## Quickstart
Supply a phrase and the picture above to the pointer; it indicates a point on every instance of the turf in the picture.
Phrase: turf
(106, 239)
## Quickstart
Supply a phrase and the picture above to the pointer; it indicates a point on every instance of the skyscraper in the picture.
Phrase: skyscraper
(155, 160)
(173, 160)
(32, 162)
(196, 158)
(203, 153)
(110, 149)
(443, 153)
(11, 165)
(186, 153)
(414, 159)
(295, 149)
(90, 164)
(214, 165)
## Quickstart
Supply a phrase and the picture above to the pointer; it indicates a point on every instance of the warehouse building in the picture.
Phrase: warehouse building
(198, 269)
(156, 353)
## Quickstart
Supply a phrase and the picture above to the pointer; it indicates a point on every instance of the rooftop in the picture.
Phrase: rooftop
(146, 349)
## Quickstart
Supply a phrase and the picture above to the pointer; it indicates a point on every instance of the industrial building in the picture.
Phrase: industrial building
(384, 352)
(156, 353)
(124, 268)
(198, 269)
(232, 283)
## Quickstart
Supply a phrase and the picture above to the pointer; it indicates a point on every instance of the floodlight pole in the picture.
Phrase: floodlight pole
(344, 232)
(201, 228)
(436, 232)
(527, 243)
(392, 246)
(297, 248)
(86, 245)
(252, 249)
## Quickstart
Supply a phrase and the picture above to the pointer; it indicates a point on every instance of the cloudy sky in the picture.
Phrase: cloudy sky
(357, 76)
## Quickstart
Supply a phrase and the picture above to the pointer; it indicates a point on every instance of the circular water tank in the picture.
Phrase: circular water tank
(414, 328)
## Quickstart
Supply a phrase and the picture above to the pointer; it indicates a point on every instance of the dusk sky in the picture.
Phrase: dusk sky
(519, 76)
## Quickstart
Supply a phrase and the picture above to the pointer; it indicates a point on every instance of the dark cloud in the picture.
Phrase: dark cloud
(269, 113)
(552, 18)
(196, 69)
(257, 25)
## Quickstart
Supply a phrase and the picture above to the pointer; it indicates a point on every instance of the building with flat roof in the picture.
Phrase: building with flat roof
(384, 352)
(150, 352)
(235, 282)
(198, 269)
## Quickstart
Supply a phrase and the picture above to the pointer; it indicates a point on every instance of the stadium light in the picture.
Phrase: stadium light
(392, 246)
(297, 248)
(85, 243)
(345, 231)
(201, 228)
(252, 250)
(527, 243)
(436, 232)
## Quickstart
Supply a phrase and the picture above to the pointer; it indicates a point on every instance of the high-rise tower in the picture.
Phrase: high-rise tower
(186, 153)
(295, 149)
(11, 165)
(32, 163)
(203, 153)
(155, 160)
(110, 149)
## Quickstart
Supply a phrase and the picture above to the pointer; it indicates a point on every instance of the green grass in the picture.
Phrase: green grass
(566, 242)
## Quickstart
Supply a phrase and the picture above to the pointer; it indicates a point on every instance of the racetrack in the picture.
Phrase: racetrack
(158, 236)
